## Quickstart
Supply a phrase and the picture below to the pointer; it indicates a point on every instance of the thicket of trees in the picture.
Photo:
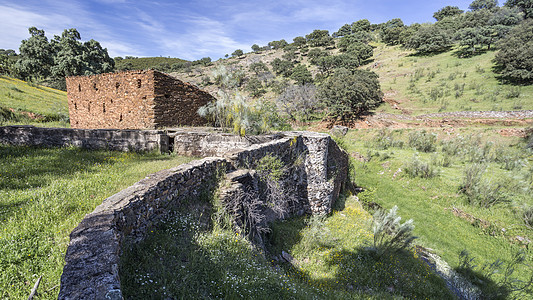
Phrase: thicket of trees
(50, 61)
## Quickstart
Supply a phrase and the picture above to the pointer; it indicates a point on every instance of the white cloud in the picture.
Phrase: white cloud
(16, 21)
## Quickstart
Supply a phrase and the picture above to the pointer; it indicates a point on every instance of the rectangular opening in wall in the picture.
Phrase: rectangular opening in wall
(79, 87)
(171, 144)
(138, 83)
(103, 107)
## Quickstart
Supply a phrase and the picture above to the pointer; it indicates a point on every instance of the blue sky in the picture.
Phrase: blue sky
(196, 29)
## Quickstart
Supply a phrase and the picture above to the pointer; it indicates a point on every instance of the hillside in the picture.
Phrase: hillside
(143, 63)
(413, 85)
(26, 103)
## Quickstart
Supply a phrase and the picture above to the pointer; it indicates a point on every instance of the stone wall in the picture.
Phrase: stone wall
(120, 140)
(315, 172)
(176, 103)
(201, 143)
(133, 100)
(93, 255)
(121, 100)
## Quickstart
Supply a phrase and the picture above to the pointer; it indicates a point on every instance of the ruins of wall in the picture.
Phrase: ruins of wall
(316, 171)
(92, 259)
(133, 100)
(106, 139)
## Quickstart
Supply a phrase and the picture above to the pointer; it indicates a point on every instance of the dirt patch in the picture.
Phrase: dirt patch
(447, 121)
(28, 114)
(519, 132)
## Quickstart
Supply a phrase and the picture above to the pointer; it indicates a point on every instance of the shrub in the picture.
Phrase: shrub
(350, 94)
(478, 191)
(529, 137)
(227, 78)
(316, 234)
(423, 141)
(282, 67)
(301, 75)
(385, 139)
(299, 102)
(389, 234)
(233, 110)
(418, 168)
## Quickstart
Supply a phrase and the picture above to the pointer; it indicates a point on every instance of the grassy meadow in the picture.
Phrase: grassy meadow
(24, 103)
(444, 82)
(425, 175)
(187, 258)
(44, 194)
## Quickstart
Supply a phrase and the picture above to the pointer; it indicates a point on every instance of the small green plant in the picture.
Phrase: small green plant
(417, 168)
(513, 92)
(317, 235)
(423, 141)
(386, 139)
(389, 234)
(479, 191)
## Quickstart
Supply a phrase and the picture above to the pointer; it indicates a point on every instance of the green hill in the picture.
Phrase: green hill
(26, 103)
(143, 63)
(444, 83)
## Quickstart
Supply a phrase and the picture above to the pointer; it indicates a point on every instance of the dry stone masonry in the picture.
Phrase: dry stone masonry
(316, 171)
(133, 100)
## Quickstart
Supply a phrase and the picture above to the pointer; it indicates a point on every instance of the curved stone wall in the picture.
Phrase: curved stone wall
(92, 259)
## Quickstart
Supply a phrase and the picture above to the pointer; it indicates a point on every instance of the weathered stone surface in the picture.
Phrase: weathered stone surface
(338, 131)
(120, 140)
(134, 100)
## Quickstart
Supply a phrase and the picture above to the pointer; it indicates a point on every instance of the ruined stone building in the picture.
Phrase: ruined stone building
(133, 100)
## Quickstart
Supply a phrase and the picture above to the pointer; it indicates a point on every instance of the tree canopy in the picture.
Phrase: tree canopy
(514, 61)
(526, 6)
(429, 39)
(483, 4)
(348, 94)
(64, 55)
(447, 11)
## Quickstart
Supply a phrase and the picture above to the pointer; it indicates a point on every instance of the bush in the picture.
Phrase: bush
(423, 141)
(299, 102)
(418, 168)
(389, 234)
(385, 139)
(242, 115)
(478, 191)
(348, 94)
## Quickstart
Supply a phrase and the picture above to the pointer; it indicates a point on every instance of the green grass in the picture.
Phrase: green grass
(186, 256)
(44, 194)
(428, 201)
(428, 84)
(49, 105)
